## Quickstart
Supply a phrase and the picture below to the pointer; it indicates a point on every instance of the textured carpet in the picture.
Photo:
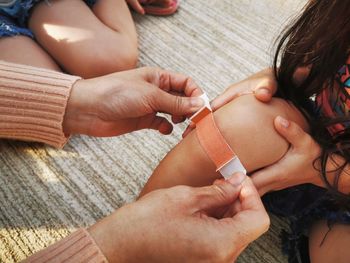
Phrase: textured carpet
(46, 193)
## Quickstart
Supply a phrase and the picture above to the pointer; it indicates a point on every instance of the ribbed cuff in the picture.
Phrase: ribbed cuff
(33, 102)
(77, 247)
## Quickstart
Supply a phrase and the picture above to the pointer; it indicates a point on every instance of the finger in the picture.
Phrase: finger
(249, 196)
(177, 119)
(154, 122)
(263, 94)
(265, 88)
(164, 127)
(233, 209)
(135, 4)
(265, 178)
(249, 199)
(292, 132)
(253, 220)
(173, 82)
(175, 105)
(188, 130)
(223, 99)
(220, 194)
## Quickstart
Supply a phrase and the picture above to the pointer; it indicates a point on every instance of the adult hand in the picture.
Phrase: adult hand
(296, 166)
(263, 84)
(127, 101)
(178, 224)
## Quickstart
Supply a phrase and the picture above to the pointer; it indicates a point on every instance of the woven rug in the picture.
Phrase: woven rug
(47, 193)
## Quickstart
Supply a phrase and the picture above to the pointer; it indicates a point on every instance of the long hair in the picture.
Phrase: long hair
(318, 40)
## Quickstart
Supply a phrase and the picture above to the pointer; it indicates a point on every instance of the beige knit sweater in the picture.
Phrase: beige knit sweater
(33, 103)
(32, 106)
(77, 247)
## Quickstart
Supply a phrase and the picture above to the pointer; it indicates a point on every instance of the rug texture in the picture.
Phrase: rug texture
(47, 193)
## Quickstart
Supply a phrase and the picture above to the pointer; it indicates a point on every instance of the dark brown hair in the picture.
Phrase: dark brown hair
(319, 40)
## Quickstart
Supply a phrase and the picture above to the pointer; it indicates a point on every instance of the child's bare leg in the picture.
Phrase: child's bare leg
(24, 50)
(116, 15)
(247, 125)
(83, 43)
(335, 246)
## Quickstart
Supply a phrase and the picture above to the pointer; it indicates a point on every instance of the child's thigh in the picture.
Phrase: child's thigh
(24, 50)
(79, 41)
(332, 246)
(247, 126)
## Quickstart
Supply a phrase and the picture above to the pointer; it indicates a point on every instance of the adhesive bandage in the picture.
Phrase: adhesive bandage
(215, 145)
(204, 111)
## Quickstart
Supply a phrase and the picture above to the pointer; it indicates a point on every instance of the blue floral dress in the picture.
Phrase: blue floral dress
(14, 16)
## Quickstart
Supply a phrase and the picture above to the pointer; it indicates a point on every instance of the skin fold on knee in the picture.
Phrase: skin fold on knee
(247, 126)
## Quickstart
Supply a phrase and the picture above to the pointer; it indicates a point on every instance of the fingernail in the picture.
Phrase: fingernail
(264, 91)
(197, 102)
(283, 121)
(236, 179)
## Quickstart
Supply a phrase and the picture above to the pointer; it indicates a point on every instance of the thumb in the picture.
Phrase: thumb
(291, 131)
(177, 105)
(265, 89)
(221, 193)
(252, 220)
(263, 94)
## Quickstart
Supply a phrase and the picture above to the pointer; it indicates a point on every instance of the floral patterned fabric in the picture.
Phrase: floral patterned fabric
(14, 18)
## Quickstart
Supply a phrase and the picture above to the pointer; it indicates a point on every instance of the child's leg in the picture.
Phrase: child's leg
(24, 50)
(83, 43)
(334, 248)
(247, 125)
(116, 15)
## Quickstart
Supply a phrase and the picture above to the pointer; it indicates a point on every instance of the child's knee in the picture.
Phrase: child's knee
(248, 127)
(115, 59)
(111, 58)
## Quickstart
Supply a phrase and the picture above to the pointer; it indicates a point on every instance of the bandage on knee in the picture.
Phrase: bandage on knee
(204, 111)
(215, 145)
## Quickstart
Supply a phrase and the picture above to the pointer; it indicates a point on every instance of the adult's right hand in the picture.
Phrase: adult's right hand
(127, 101)
(185, 224)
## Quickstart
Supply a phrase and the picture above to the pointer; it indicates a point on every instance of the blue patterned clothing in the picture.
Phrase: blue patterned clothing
(14, 17)
(306, 204)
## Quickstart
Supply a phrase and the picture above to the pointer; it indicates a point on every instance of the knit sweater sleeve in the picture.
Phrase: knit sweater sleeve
(77, 247)
(33, 102)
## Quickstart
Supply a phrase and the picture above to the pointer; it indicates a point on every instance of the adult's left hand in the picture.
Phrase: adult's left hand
(262, 84)
(127, 101)
(296, 167)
